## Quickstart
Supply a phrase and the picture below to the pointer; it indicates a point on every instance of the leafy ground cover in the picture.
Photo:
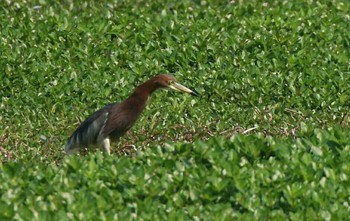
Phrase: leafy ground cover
(277, 72)
(245, 177)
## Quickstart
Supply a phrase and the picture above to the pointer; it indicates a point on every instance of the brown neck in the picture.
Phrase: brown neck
(145, 90)
(138, 99)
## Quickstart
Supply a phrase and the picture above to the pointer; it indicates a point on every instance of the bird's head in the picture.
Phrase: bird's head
(169, 82)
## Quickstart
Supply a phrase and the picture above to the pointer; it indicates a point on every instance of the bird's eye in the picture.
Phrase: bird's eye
(170, 82)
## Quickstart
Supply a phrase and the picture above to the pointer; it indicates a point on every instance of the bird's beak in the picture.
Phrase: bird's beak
(179, 87)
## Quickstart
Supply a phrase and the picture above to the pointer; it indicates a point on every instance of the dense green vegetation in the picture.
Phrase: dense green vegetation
(267, 140)
(245, 177)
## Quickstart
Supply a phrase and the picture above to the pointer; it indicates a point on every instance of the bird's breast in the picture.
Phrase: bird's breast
(122, 117)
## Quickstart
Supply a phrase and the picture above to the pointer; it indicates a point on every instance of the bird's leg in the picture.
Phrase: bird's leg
(106, 146)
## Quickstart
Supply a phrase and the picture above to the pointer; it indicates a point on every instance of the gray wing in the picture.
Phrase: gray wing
(89, 132)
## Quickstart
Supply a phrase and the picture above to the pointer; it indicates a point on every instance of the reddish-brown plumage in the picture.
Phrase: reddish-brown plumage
(114, 120)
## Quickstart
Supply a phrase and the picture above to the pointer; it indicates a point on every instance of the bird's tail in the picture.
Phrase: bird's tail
(70, 147)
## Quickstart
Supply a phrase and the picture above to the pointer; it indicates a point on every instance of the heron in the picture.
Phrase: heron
(114, 120)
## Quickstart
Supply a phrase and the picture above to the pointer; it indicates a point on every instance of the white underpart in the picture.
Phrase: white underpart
(106, 146)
